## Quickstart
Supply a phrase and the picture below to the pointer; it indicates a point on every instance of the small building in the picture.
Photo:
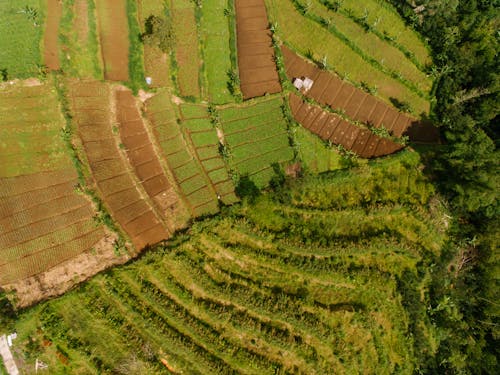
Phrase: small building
(298, 83)
(307, 83)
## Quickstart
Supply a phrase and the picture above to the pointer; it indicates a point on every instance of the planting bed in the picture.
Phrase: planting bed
(144, 159)
(43, 220)
(51, 35)
(203, 138)
(186, 47)
(187, 170)
(256, 136)
(114, 38)
(125, 199)
(342, 96)
(330, 127)
(258, 74)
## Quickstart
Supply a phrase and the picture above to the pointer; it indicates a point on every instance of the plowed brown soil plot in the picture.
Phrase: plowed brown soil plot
(258, 74)
(51, 36)
(126, 202)
(331, 127)
(144, 159)
(44, 221)
(114, 38)
(341, 95)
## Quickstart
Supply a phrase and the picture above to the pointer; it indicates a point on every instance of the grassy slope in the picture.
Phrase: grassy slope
(267, 288)
(20, 38)
(296, 29)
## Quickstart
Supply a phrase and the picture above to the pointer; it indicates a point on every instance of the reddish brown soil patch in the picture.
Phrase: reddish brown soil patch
(114, 38)
(341, 95)
(258, 74)
(51, 36)
(143, 157)
(109, 168)
(331, 127)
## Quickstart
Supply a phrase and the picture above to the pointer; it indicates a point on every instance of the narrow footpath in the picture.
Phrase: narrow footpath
(8, 360)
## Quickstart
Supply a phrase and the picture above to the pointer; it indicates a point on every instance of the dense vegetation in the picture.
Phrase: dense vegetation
(464, 39)
(329, 275)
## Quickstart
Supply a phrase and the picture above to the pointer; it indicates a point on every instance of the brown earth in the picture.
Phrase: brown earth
(258, 74)
(66, 274)
(51, 35)
(118, 189)
(143, 157)
(357, 105)
(114, 38)
(331, 127)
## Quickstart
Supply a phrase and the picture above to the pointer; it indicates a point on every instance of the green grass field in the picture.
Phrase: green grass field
(257, 137)
(295, 29)
(186, 48)
(273, 288)
(21, 29)
(384, 18)
(216, 52)
(31, 125)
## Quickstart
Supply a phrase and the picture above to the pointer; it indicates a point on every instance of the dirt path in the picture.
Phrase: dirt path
(51, 36)
(8, 360)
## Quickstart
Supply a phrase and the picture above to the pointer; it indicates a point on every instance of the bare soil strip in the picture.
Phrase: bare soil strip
(114, 38)
(8, 359)
(258, 74)
(330, 90)
(144, 159)
(118, 194)
(332, 128)
(51, 35)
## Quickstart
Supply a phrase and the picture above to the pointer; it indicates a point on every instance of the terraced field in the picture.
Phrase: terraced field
(44, 220)
(187, 170)
(128, 203)
(202, 137)
(333, 128)
(145, 162)
(275, 288)
(295, 29)
(358, 105)
(257, 68)
(256, 135)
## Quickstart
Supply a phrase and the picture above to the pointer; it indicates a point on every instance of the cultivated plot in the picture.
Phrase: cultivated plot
(256, 136)
(186, 47)
(296, 29)
(51, 35)
(214, 29)
(206, 141)
(333, 128)
(195, 186)
(127, 202)
(114, 38)
(340, 95)
(44, 219)
(257, 68)
(143, 158)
